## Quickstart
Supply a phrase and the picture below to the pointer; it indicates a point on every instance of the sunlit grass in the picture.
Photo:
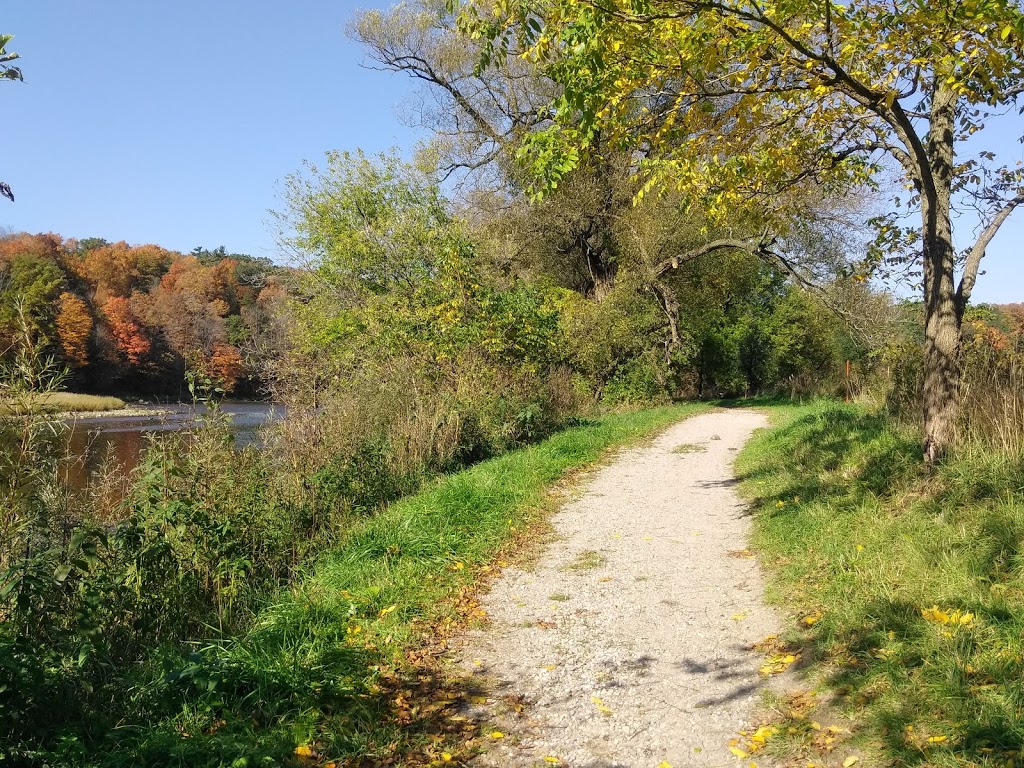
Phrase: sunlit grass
(879, 563)
(64, 402)
(340, 664)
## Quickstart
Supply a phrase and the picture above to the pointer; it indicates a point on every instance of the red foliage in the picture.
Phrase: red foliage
(129, 337)
(226, 366)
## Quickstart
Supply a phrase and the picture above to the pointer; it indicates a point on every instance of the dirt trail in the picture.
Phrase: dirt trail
(628, 644)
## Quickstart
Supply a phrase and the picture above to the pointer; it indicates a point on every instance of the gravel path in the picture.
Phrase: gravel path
(628, 644)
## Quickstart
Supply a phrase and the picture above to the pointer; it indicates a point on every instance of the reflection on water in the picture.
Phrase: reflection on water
(121, 440)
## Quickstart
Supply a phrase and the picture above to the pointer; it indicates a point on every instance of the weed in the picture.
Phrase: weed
(586, 560)
(689, 448)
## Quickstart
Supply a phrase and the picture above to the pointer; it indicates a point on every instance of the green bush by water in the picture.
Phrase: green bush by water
(218, 624)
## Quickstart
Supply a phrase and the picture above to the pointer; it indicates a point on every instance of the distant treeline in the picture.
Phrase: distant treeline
(134, 319)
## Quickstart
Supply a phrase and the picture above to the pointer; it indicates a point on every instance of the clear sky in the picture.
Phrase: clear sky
(174, 122)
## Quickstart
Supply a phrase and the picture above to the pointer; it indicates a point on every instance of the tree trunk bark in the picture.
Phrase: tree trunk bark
(942, 310)
(940, 392)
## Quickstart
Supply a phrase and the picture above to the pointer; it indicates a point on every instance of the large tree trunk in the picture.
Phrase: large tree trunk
(940, 393)
(942, 310)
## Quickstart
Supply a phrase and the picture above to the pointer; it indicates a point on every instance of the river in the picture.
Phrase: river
(96, 439)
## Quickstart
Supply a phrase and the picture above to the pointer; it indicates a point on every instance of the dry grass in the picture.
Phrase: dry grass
(64, 402)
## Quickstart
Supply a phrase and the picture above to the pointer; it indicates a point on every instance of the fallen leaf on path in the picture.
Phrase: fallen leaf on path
(603, 708)
(739, 616)
(777, 664)
(497, 735)
(850, 761)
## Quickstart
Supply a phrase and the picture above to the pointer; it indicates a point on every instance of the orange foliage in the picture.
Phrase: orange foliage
(128, 335)
(47, 247)
(118, 268)
(226, 366)
(74, 327)
(1014, 313)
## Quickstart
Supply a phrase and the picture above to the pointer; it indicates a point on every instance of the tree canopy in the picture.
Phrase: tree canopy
(731, 102)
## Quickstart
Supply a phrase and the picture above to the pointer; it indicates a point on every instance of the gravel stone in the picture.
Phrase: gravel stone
(628, 644)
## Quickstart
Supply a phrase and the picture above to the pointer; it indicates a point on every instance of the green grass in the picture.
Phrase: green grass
(67, 402)
(344, 662)
(853, 529)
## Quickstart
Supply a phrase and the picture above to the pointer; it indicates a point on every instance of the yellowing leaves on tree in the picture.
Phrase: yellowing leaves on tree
(757, 101)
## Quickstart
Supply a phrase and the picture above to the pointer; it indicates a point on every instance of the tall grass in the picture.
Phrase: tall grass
(64, 402)
(906, 588)
(992, 393)
(230, 616)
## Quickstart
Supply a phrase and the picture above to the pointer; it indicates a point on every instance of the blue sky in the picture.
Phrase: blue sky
(173, 123)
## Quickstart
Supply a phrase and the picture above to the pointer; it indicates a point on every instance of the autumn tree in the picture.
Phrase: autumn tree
(225, 366)
(74, 328)
(733, 101)
(129, 337)
(116, 269)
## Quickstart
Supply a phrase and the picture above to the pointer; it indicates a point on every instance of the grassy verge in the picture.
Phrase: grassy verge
(345, 668)
(67, 402)
(907, 591)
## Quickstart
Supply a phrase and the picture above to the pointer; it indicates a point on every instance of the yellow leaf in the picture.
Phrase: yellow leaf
(1006, 32)
(937, 739)
(935, 615)
(497, 735)
(550, 759)
(850, 761)
(739, 616)
(387, 610)
(664, 764)
(738, 752)
(304, 751)
(446, 756)
(601, 706)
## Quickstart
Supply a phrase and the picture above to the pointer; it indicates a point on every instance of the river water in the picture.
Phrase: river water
(93, 440)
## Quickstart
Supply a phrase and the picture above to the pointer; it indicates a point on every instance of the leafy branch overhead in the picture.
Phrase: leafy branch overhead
(729, 102)
(7, 70)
